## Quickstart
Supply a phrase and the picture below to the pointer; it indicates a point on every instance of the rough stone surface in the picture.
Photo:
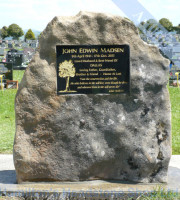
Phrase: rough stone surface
(86, 137)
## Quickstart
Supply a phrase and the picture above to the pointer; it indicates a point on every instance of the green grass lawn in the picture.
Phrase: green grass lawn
(7, 117)
(160, 193)
(175, 118)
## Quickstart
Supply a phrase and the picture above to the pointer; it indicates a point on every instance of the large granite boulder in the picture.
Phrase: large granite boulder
(94, 136)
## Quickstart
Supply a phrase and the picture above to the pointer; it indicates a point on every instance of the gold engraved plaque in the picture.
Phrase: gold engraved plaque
(93, 69)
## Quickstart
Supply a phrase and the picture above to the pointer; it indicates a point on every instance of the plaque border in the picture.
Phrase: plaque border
(94, 45)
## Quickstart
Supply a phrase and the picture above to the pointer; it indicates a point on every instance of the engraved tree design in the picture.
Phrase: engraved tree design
(67, 70)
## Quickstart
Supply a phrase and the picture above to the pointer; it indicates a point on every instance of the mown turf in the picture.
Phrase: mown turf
(175, 119)
(7, 117)
(160, 193)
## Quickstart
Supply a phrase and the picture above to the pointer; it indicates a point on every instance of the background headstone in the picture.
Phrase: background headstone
(86, 137)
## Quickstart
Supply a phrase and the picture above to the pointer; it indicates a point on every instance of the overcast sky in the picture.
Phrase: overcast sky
(35, 14)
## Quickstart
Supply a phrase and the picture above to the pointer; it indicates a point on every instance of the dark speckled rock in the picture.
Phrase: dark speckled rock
(86, 137)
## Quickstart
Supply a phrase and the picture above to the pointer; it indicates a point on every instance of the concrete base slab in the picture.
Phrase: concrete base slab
(97, 189)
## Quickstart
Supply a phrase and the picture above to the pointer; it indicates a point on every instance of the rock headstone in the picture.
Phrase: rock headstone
(93, 136)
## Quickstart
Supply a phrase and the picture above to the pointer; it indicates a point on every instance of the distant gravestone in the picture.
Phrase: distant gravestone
(25, 45)
(1, 51)
(84, 113)
(33, 44)
(6, 70)
(10, 45)
(17, 45)
(3, 45)
(16, 57)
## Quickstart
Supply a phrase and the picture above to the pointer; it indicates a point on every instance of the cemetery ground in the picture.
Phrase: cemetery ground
(7, 117)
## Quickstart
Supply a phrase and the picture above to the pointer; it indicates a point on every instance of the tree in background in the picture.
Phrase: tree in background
(4, 32)
(177, 29)
(29, 35)
(15, 31)
(39, 36)
(166, 23)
